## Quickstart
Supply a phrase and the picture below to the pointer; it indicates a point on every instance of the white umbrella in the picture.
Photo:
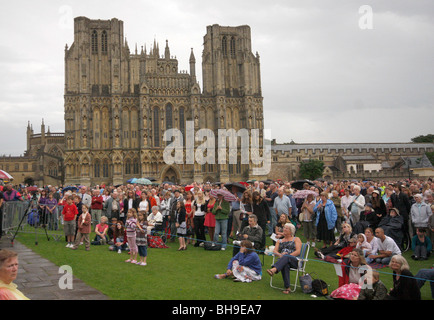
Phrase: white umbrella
(5, 176)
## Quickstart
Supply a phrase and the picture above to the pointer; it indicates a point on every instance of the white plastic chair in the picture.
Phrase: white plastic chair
(302, 261)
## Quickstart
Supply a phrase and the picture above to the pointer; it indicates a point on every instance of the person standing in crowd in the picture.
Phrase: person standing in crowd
(221, 211)
(96, 207)
(357, 205)
(337, 202)
(263, 213)
(308, 219)
(111, 206)
(85, 198)
(282, 204)
(345, 203)
(401, 202)
(181, 224)
(51, 209)
(8, 273)
(10, 194)
(326, 216)
(234, 222)
(199, 219)
(271, 194)
(84, 228)
(130, 227)
(141, 238)
(172, 214)
(210, 217)
(69, 213)
(420, 212)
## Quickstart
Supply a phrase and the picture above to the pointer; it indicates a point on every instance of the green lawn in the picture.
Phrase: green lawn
(182, 275)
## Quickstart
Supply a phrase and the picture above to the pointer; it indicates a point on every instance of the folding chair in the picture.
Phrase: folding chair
(302, 261)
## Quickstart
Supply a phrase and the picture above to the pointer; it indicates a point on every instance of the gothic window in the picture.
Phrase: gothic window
(233, 47)
(156, 127)
(181, 120)
(169, 123)
(128, 167)
(224, 46)
(105, 169)
(136, 167)
(96, 169)
(94, 42)
(104, 42)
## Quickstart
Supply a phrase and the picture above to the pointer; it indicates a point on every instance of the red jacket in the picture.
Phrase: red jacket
(69, 212)
(97, 203)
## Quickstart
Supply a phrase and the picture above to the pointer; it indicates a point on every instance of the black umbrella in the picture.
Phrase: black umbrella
(299, 184)
(240, 186)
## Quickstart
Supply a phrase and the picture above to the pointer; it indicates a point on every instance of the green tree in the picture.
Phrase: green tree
(422, 138)
(430, 156)
(311, 169)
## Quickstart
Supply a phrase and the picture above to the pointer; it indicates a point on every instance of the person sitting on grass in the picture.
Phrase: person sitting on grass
(421, 245)
(375, 291)
(245, 266)
(101, 231)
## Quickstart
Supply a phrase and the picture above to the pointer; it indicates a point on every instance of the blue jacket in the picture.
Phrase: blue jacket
(331, 214)
(250, 260)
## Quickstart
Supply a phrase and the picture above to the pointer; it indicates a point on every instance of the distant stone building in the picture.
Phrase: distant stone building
(42, 162)
(118, 104)
(342, 161)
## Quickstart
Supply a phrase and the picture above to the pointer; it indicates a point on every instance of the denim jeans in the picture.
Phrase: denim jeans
(221, 226)
(283, 265)
(423, 275)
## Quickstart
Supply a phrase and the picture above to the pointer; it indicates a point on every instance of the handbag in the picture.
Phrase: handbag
(320, 287)
(306, 283)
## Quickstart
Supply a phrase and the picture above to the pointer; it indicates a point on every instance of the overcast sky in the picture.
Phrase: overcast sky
(325, 76)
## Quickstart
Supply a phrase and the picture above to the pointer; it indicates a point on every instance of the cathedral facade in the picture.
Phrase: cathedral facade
(118, 104)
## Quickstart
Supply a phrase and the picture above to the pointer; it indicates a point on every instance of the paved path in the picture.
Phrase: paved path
(38, 278)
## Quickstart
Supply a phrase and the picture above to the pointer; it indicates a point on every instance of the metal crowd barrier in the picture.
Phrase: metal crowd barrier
(28, 217)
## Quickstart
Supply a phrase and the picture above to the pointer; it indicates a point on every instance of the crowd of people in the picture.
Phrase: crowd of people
(371, 218)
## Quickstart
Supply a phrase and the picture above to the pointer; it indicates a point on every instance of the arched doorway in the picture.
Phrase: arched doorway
(171, 174)
(29, 181)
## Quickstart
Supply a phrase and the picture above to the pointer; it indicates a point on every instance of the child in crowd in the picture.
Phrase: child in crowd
(363, 244)
(69, 213)
(375, 290)
(130, 226)
(119, 238)
(84, 224)
(142, 238)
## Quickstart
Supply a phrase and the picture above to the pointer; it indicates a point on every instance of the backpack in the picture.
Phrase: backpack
(320, 287)
(33, 218)
(211, 246)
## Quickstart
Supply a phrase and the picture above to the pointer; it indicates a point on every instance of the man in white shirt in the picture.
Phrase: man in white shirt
(387, 248)
(86, 199)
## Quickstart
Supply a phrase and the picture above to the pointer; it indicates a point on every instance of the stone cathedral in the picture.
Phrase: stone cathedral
(118, 104)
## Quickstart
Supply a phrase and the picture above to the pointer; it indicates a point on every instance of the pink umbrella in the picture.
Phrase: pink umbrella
(302, 194)
(226, 194)
(5, 176)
